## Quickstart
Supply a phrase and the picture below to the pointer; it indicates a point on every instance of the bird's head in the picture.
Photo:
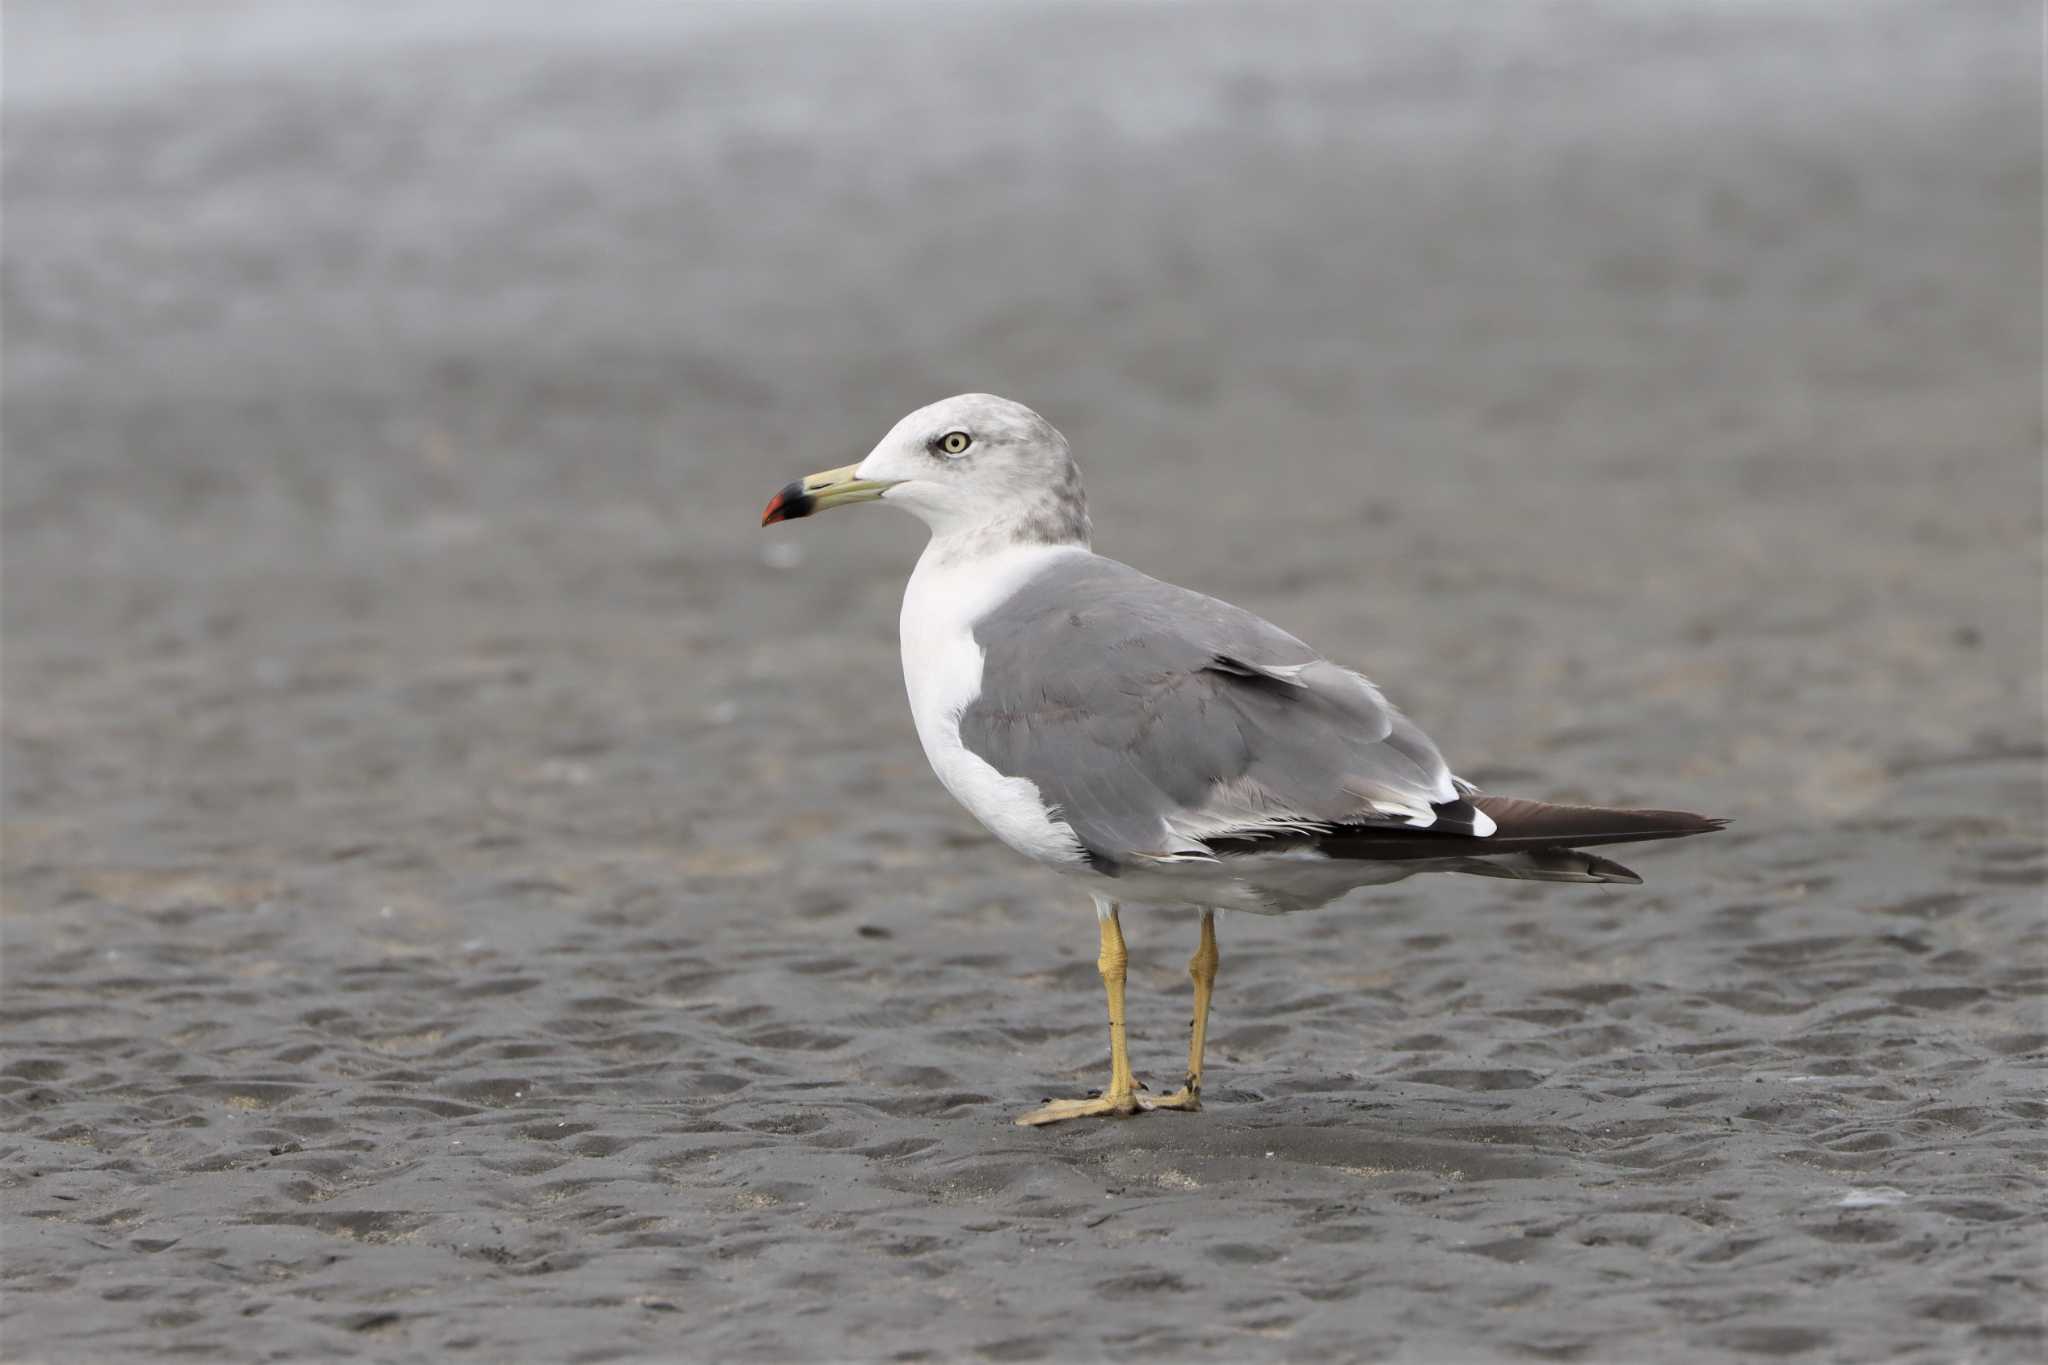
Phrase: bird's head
(966, 465)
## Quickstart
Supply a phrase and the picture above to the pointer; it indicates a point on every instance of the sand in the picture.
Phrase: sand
(472, 895)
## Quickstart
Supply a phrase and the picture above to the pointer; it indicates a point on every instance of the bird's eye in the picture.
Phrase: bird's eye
(955, 442)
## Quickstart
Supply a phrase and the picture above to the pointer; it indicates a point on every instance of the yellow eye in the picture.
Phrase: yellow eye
(955, 442)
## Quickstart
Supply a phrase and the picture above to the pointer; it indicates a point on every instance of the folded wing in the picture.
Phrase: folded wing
(1162, 723)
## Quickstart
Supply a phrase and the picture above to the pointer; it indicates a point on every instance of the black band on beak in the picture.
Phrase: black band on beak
(789, 504)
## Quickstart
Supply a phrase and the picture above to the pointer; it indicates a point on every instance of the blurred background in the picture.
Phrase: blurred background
(360, 356)
(1647, 396)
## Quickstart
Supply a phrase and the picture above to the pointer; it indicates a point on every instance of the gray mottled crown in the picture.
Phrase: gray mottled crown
(1017, 484)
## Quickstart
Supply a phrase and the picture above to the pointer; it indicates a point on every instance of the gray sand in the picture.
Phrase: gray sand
(472, 895)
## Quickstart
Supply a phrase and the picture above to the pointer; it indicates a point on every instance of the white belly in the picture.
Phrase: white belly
(942, 673)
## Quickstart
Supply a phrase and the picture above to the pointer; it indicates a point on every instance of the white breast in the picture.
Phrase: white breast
(942, 665)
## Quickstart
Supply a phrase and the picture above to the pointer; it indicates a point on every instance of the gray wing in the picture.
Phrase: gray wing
(1155, 718)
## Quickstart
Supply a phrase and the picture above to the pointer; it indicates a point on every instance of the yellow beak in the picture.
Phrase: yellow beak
(816, 492)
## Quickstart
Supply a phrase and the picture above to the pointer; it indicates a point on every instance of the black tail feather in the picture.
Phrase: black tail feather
(1521, 826)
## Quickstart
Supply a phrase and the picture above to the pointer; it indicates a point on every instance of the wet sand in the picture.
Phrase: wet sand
(472, 895)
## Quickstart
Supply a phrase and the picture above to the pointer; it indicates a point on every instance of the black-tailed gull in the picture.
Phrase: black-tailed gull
(1162, 746)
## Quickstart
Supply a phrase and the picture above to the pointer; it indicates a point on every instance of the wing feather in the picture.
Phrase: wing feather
(1157, 720)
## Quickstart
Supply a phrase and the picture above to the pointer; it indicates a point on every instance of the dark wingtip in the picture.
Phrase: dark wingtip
(789, 504)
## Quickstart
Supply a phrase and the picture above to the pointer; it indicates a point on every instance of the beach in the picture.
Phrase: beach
(472, 893)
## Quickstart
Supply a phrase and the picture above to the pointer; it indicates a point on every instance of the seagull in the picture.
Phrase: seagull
(1161, 747)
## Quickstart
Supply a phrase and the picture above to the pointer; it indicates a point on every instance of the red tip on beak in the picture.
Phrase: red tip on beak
(789, 504)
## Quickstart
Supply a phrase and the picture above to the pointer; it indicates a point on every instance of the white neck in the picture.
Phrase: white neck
(998, 539)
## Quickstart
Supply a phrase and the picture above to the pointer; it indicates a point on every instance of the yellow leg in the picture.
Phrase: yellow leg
(1121, 1099)
(1202, 967)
